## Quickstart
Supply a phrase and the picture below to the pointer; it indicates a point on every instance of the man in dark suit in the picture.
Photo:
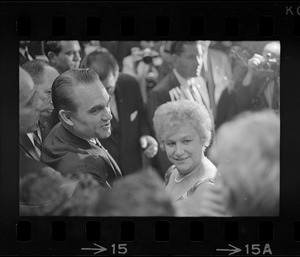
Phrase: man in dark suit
(24, 54)
(43, 76)
(29, 114)
(130, 124)
(184, 81)
(72, 146)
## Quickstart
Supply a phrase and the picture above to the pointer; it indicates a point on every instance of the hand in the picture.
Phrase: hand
(149, 145)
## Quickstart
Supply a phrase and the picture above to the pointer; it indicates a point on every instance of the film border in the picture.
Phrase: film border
(176, 25)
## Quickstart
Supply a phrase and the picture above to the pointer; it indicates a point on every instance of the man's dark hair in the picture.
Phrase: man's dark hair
(51, 46)
(36, 68)
(61, 88)
(102, 62)
(177, 47)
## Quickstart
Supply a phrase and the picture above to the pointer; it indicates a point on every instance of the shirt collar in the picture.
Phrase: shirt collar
(182, 81)
(22, 50)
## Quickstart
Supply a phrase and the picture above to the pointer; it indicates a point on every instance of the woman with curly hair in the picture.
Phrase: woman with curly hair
(184, 131)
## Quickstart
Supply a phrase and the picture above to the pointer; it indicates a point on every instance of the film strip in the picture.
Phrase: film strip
(125, 21)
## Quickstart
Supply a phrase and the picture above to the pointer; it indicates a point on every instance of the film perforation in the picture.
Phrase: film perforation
(24, 231)
(58, 231)
(231, 26)
(197, 26)
(128, 25)
(266, 26)
(231, 230)
(93, 230)
(128, 230)
(24, 26)
(196, 231)
(59, 26)
(162, 229)
(93, 26)
(265, 231)
(162, 26)
(296, 231)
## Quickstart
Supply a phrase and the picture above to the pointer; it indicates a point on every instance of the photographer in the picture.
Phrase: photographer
(143, 64)
(256, 87)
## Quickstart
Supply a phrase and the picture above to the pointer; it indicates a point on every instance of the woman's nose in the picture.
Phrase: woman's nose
(179, 150)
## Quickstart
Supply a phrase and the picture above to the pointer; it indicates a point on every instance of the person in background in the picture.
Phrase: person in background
(63, 55)
(256, 83)
(183, 82)
(247, 153)
(31, 169)
(184, 130)
(130, 125)
(24, 54)
(143, 64)
(43, 76)
(72, 146)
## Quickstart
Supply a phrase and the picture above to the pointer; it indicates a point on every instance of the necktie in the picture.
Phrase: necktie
(37, 142)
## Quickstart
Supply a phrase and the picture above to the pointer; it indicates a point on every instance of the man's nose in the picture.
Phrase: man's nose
(107, 114)
(77, 57)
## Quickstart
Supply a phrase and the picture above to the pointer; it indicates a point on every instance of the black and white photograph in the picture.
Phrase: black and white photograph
(149, 128)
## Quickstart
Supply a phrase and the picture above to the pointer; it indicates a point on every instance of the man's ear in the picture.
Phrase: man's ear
(51, 56)
(174, 59)
(65, 117)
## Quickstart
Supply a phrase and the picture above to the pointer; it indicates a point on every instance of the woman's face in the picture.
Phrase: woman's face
(184, 148)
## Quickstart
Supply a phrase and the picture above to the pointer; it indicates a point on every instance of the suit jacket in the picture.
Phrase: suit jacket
(158, 96)
(47, 123)
(23, 59)
(160, 93)
(71, 155)
(123, 144)
(28, 148)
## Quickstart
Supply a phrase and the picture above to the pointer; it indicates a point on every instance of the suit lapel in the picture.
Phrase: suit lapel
(28, 147)
(109, 159)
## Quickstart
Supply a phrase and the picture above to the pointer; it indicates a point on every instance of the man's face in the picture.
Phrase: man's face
(190, 61)
(92, 119)
(44, 88)
(68, 58)
(110, 83)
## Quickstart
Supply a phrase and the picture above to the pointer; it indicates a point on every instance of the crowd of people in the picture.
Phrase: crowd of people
(161, 128)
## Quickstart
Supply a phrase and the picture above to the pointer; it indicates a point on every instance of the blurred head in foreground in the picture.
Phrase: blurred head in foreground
(138, 194)
(247, 151)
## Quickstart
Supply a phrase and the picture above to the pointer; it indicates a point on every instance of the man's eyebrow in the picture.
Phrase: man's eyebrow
(97, 107)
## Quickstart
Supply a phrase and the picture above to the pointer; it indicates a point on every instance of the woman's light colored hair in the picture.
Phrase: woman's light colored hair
(247, 151)
(171, 115)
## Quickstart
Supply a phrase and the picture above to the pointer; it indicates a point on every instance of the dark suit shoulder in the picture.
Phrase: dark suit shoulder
(127, 81)
(167, 83)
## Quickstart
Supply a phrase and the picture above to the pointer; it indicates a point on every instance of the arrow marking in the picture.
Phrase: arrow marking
(234, 249)
(99, 250)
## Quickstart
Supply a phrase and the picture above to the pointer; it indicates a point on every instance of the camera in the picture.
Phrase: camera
(260, 63)
(147, 55)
